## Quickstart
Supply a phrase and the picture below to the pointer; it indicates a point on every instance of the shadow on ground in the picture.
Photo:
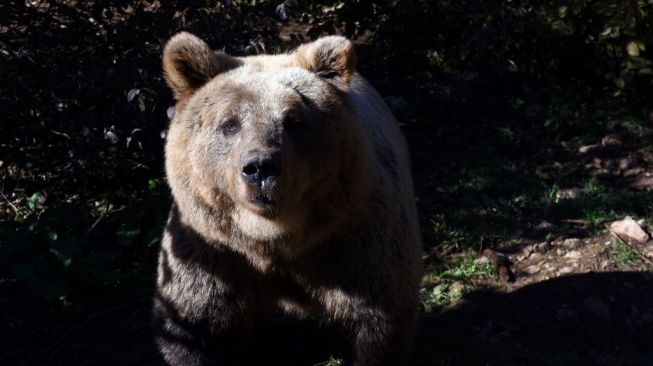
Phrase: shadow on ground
(588, 319)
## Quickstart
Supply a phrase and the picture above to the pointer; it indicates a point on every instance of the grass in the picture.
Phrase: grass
(332, 361)
(453, 282)
(625, 255)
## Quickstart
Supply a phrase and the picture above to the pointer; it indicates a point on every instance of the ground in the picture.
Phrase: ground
(516, 190)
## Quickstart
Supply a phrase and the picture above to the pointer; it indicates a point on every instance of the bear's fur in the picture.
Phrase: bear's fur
(292, 192)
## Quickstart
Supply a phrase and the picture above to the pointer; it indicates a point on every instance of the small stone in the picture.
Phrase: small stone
(532, 269)
(542, 247)
(597, 307)
(628, 229)
(565, 270)
(569, 194)
(627, 162)
(481, 260)
(571, 243)
(544, 225)
(612, 140)
(574, 254)
(649, 253)
(588, 149)
(560, 251)
(535, 257)
(644, 183)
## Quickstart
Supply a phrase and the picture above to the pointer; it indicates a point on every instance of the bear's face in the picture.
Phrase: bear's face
(261, 137)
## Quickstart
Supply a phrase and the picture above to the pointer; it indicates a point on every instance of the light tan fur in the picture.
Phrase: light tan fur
(340, 236)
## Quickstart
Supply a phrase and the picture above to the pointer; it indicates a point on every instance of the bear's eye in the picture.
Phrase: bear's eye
(292, 122)
(230, 127)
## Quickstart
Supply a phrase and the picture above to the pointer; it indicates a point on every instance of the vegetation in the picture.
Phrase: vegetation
(495, 97)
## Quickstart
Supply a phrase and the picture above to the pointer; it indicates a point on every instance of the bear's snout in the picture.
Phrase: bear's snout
(261, 169)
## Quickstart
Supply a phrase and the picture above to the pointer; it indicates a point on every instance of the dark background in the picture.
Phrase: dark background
(494, 97)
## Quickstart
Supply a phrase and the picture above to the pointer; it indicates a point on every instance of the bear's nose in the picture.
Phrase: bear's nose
(261, 170)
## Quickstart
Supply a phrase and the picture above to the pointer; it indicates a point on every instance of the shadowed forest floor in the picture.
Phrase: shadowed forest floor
(515, 191)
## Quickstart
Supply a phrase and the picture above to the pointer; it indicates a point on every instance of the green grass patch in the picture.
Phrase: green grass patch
(624, 255)
(453, 282)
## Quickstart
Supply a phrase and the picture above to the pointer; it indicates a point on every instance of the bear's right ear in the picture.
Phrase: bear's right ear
(332, 58)
(188, 63)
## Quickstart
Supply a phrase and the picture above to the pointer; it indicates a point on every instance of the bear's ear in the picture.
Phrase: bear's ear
(332, 58)
(188, 63)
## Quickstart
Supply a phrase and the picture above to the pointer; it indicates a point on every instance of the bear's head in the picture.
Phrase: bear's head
(262, 147)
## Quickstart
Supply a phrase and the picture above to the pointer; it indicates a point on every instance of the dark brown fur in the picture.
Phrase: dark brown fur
(340, 239)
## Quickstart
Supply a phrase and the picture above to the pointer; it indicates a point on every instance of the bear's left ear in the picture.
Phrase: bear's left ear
(332, 58)
(188, 63)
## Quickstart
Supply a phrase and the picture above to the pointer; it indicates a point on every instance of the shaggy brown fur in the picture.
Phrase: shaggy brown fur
(291, 193)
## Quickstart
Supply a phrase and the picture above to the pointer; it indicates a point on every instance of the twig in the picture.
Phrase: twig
(103, 215)
(9, 202)
(632, 247)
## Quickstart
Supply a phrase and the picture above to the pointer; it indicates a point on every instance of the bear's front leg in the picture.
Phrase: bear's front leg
(381, 331)
(184, 339)
(382, 339)
(200, 316)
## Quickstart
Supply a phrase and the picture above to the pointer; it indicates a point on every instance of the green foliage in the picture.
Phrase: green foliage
(597, 43)
(467, 269)
(624, 254)
(69, 252)
(599, 203)
(455, 281)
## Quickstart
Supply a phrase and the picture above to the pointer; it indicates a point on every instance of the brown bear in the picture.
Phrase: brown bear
(292, 193)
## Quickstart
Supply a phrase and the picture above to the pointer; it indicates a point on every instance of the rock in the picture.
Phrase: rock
(543, 226)
(627, 229)
(588, 149)
(535, 257)
(501, 263)
(523, 253)
(597, 307)
(612, 140)
(571, 243)
(574, 254)
(627, 162)
(569, 194)
(632, 172)
(532, 269)
(649, 253)
(565, 270)
(643, 183)
(542, 247)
